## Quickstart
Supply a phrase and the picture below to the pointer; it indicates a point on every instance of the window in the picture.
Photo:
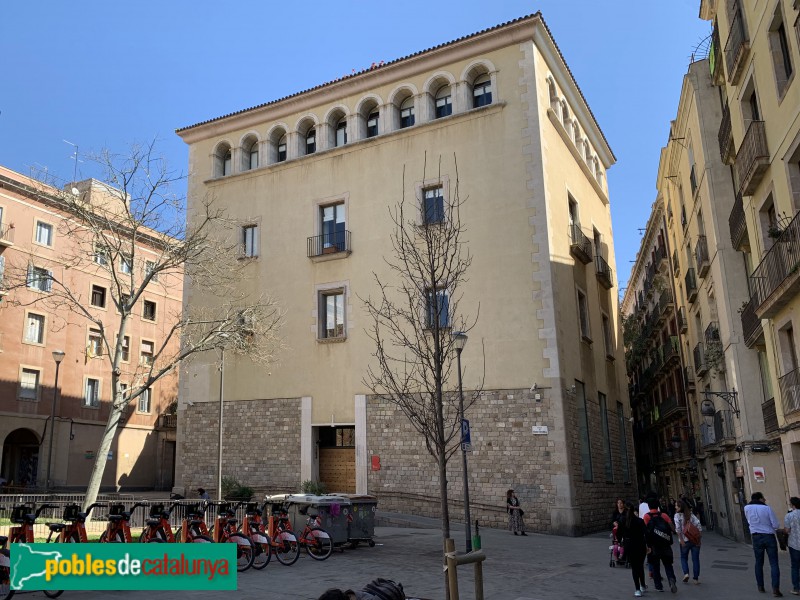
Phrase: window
(609, 464)
(123, 390)
(282, 149)
(227, 162)
(332, 311)
(250, 241)
(780, 51)
(98, 296)
(149, 270)
(372, 124)
(91, 396)
(608, 341)
(126, 265)
(341, 132)
(433, 206)
(583, 430)
(444, 105)
(44, 233)
(623, 444)
(95, 346)
(337, 437)
(407, 112)
(146, 356)
(333, 228)
(29, 384)
(311, 141)
(34, 329)
(100, 255)
(251, 154)
(482, 91)
(583, 317)
(126, 349)
(437, 309)
(39, 279)
(149, 310)
(144, 401)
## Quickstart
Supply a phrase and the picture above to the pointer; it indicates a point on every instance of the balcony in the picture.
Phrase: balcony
(328, 243)
(699, 356)
(603, 272)
(672, 405)
(770, 416)
(666, 303)
(660, 259)
(707, 437)
(683, 324)
(715, 58)
(6, 235)
(676, 264)
(693, 180)
(751, 324)
(736, 48)
(649, 276)
(724, 430)
(688, 378)
(580, 245)
(725, 136)
(790, 392)
(701, 256)
(775, 281)
(168, 421)
(752, 160)
(669, 351)
(738, 224)
(691, 284)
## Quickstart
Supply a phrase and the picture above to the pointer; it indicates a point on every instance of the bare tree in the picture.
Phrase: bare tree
(133, 230)
(414, 315)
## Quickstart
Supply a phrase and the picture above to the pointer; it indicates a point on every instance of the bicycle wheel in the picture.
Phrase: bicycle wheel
(319, 544)
(261, 550)
(286, 548)
(201, 539)
(119, 538)
(5, 575)
(55, 593)
(244, 551)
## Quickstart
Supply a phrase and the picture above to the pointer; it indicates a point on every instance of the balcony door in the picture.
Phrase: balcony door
(333, 228)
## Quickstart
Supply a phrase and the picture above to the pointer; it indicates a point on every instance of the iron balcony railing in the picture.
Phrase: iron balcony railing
(725, 136)
(168, 421)
(701, 256)
(670, 350)
(770, 416)
(751, 324)
(780, 263)
(676, 263)
(691, 284)
(736, 47)
(790, 391)
(688, 377)
(580, 245)
(712, 332)
(699, 356)
(715, 57)
(683, 324)
(666, 302)
(737, 223)
(603, 272)
(693, 179)
(672, 404)
(649, 276)
(328, 243)
(660, 257)
(752, 160)
(723, 426)
(707, 437)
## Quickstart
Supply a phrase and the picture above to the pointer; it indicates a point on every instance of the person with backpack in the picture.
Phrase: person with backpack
(792, 525)
(659, 543)
(688, 528)
(763, 525)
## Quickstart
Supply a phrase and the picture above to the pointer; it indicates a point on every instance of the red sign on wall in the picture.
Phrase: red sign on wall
(376, 462)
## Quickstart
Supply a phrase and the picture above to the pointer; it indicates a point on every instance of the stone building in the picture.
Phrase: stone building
(310, 177)
(37, 233)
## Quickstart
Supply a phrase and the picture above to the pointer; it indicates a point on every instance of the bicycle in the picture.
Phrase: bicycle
(253, 527)
(118, 529)
(158, 528)
(25, 517)
(282, 539)
(225, 530)
(316, 540)
(73, 529)
(193, 527)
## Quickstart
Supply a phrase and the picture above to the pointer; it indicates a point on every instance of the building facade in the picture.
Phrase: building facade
(38, 234)
(310, 179)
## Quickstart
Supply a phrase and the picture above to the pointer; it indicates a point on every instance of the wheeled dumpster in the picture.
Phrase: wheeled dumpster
(333, 512)
(361, 528)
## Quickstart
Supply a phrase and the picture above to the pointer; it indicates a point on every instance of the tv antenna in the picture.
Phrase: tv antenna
(75, 157)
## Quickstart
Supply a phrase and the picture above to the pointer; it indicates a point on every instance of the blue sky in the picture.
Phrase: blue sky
(104, 74)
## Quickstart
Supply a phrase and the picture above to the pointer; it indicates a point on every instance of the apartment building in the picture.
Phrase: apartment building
(310, 179)
(754, 59)
(38, 233)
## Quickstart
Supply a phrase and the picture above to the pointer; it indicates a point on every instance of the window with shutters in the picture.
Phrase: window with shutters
(44, 233)
(98, 296)
(39, 279)
(34, 329)
(29, 384)
(91, 394)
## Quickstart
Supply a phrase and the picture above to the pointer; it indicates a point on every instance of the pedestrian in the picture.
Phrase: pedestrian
(632, 531)
(763, 525)
(203, 494)
(617, 517)
(792, 525)
(659, 543)
(643, 508)
(515, 514)
(688, 528)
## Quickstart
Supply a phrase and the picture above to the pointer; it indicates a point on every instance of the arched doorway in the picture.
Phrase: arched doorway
(21, 458)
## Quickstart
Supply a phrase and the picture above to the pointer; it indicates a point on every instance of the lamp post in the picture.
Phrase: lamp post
(459, 341)
(219, 448)
(58, 356)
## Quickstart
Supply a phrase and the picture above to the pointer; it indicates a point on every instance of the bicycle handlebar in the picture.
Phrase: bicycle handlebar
(94, 505)
(43, 507)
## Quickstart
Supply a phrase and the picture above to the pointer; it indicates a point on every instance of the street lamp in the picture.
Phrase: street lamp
(459, 341)
(58, 356)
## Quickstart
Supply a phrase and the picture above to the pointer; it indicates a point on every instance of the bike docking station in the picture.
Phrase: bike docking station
(454, 560)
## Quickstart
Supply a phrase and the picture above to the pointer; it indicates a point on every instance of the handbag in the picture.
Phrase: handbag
(783, 539)
(692, 533)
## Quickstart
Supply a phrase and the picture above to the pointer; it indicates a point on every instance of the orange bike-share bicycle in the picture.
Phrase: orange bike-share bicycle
(73, 528)
(158, 528)
(118, 529)
(193, 527)
(225, 530)
(25, 518)
(253, 527)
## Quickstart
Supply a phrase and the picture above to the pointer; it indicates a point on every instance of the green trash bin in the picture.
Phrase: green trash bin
(333, 512)
(361, 527)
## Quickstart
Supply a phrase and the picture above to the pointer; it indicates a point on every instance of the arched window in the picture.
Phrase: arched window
(281, 149)
(565, 114)
(223, 161)
(311, 141)
(372, 123)
(250, 154)
(482, 91)
(407, 112)
(341, 132)
(555, 103)
(444, 104)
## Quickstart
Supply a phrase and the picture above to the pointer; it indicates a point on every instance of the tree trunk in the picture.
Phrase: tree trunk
(101, 458)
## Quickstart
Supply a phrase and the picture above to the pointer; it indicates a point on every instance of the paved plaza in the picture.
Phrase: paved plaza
(517, 568)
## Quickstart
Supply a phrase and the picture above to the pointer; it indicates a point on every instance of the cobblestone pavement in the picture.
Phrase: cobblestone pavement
(517, 568)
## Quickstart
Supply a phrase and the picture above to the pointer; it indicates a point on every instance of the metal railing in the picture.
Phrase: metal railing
(580, 244)
(688, 377)
(780, 261)
(723, 426)
(707, 436)
(737, 222)
(790, 391)
(736, 46)
(659, 255)
(700, 365)
(751, 324)
(666, 301)
(603, 272)
(328, 243)
(683, 324)
(691, 284)
(752, 159)
(725, 135)
(770, 416)
(168, 421)
(701, 255)
(715, 57)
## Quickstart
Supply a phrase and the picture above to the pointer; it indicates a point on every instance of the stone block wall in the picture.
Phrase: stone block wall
(261, 444)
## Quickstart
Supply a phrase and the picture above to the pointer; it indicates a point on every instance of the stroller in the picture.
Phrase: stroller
(617, 551)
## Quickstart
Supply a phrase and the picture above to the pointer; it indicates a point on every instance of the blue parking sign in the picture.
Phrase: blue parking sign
(466, 442)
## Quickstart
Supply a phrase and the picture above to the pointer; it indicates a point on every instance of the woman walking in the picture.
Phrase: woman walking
(689, 540)
(515, 513)
(632, 531)
(792, 525)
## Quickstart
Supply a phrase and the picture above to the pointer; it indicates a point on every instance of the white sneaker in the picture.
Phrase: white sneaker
(638, 593)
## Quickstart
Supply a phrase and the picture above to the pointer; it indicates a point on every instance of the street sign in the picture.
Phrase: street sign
(466, 441)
